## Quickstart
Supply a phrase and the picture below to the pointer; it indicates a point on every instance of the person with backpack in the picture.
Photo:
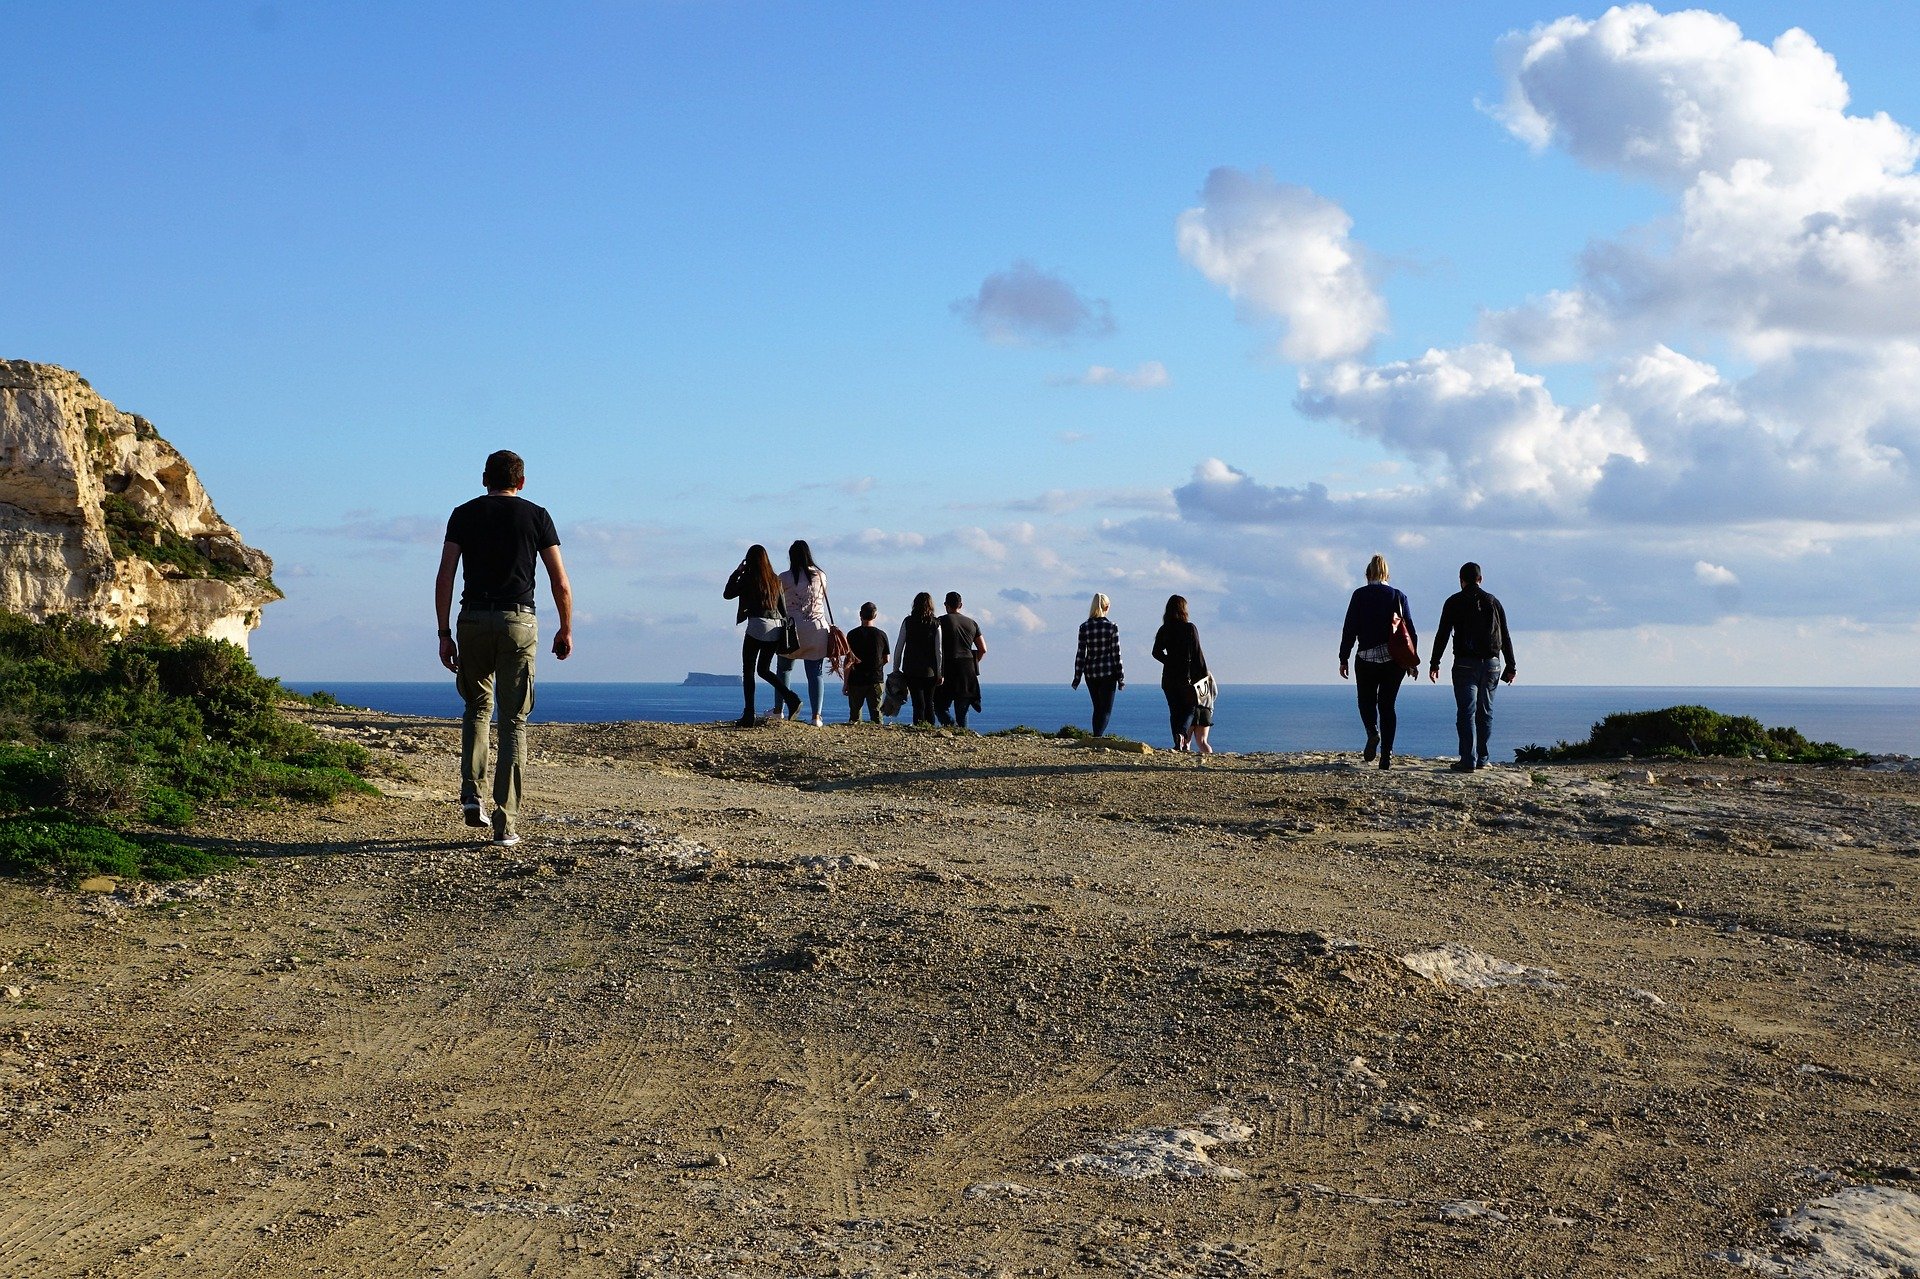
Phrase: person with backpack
(1373, 615)
(1478, 626)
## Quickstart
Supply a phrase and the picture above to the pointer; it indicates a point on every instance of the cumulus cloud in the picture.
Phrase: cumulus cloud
(1283, 251)
(1148, 375)
(1025, 306)
(1495, 430)
(1019, 618)
(1795, 223)
(1714, 574)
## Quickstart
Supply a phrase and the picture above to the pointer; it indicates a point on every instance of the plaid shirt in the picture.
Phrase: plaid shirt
(1099, 653)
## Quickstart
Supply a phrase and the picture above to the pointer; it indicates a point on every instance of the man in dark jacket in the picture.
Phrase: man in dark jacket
(1478, 627)
(494, 541)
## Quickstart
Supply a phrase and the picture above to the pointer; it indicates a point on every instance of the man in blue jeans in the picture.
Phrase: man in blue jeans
(494, 541)
(1478, 627)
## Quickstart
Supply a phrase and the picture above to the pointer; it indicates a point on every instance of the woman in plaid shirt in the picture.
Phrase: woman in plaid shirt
(1097, 660)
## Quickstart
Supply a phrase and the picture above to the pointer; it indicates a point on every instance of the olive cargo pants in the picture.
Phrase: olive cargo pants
(496, 668)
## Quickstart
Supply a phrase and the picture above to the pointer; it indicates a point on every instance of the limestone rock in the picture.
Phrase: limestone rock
(103, 519)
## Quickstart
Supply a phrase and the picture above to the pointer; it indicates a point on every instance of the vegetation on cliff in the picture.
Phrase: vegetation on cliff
(1687, 732)
(104, 740)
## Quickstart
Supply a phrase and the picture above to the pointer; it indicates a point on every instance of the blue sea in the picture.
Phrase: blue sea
(1250, 717)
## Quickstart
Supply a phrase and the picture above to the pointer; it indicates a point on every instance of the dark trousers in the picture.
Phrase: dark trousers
(1180, 704)
(867, 695)
(949, 708)
(758, 655)
(1378, 684)
(920, 688)
(1473, 685)
(1102, 689)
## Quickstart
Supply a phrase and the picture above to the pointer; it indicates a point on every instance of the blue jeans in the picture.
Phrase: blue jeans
(813, 665)
(1473, 685)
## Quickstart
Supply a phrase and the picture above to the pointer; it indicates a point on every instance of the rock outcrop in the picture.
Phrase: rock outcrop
(103, 519)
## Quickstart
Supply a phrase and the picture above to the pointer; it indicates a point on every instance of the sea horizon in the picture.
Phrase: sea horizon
(1250, 717)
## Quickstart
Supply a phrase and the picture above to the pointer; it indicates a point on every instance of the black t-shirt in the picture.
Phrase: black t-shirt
(958, 632)
(869, 644)
(499, 537)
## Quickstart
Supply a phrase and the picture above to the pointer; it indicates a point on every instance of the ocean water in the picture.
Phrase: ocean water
(1250, 717)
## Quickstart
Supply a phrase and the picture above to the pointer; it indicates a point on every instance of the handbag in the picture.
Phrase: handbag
(1205, 691)
(840, 658)
(1400, 646)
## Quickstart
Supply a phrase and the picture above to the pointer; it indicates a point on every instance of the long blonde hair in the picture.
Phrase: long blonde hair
(1099, 606)
(1377, 569)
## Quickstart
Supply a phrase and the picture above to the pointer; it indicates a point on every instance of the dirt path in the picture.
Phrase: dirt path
(800, 1002)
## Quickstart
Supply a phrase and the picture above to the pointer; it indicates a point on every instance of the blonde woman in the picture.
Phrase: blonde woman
(1097, 660)
(1377, 676)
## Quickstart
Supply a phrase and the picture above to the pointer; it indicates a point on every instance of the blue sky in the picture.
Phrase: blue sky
(725, 273)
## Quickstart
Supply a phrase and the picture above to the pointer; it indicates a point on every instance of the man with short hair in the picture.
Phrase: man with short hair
(1478, 626)
(498, 537)
(961, 641)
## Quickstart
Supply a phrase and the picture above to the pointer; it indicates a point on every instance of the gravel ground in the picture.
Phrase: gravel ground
(787, 1001)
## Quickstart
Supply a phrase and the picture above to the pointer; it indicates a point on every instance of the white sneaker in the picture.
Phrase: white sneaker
(818, 722)
(507, 840)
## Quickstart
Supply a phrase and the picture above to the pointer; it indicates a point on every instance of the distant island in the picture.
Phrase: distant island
(707, 679)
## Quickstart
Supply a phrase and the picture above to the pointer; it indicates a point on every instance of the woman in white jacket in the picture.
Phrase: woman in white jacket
(804, 586)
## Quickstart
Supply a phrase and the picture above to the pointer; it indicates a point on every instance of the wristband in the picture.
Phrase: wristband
(445, 633)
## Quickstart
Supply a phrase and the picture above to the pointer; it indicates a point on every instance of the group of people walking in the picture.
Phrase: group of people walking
(494, 543)
(1380, 624)
(935, 660)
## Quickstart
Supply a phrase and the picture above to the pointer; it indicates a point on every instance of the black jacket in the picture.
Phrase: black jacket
(1176, 645)
(1370, 616)
(1461, 614)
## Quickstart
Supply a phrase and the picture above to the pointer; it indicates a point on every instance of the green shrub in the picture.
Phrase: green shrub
(1687, 732)
(32, 844)
(96, 732)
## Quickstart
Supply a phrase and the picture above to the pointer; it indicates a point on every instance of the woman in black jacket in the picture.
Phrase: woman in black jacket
(917, 655)
(1376, 675)
(757, 587)
(1176, 646)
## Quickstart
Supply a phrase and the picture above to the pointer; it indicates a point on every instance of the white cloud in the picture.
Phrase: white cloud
(1714, 574)
(1795, 223)
(1025, 306)
(1283, 251)
(1494, 430)
(1019, 618)
(1148, 375)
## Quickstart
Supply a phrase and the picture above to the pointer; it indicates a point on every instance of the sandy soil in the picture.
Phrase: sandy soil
(787, 1001)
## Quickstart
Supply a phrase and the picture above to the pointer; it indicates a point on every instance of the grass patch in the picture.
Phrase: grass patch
(100, 734)
(52, 845)
(1067, 732)
(1688, 732)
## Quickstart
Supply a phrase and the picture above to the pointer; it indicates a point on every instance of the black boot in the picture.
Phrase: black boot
(1373, 747)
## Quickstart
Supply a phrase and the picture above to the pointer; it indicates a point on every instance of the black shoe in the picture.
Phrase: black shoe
(1386, 761)
(1373, 748)
(471, 810)
(793, 705)
(1461, 766)
(745, 721)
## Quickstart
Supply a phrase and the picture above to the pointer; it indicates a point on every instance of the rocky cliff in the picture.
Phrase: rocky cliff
(101, 518)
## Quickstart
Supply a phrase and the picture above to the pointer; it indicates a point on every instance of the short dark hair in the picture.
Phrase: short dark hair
(953, 599)
(504, 470)
(1469, 572)
(869, 611)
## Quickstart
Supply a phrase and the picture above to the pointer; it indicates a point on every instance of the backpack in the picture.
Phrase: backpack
(1479, 628)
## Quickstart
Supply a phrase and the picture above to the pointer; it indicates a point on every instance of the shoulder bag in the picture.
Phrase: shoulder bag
(1400, 646)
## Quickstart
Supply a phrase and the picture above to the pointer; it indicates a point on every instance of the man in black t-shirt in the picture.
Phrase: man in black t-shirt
(499, 536)
(963, 646)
